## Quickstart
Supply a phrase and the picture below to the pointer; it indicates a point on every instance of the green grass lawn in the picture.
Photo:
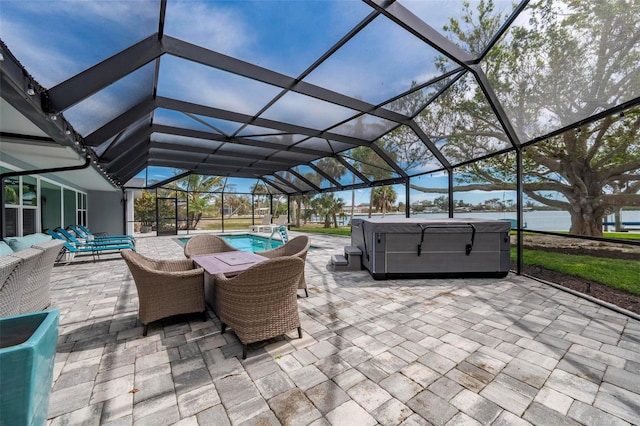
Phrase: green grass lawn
(622, 235)
(343, 230)
(615, 273)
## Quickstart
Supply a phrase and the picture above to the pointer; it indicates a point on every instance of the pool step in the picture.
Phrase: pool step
(339, 260)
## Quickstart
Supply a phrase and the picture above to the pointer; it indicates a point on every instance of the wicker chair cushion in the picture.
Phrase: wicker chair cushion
(22, 243)
(5, 249)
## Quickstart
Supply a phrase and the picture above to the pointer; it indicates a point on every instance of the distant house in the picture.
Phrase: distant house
(359, 209)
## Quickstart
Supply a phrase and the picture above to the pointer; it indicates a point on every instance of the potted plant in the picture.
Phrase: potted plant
(27, 354)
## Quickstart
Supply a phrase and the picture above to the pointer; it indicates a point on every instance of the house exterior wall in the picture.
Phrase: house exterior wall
(106, 212)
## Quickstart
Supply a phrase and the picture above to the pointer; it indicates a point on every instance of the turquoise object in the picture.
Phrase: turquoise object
(27, 354)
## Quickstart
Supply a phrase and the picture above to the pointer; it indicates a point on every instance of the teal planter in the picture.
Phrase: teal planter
(27, 354)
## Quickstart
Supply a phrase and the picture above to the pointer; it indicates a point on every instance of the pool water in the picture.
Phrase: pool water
(251, 243)
(247, 242)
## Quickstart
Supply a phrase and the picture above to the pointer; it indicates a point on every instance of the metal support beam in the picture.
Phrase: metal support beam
(407, 197)
(169, 180)
(388, 160)
(196, 167)
(163, 12)
(203, 150)
(199, 134)
(217, 159)
(79, 87)
(120, 123)
(519, 211)
(268, 182)
(112, 153)
(450, 185)
(15, 83)
(495, 104)
(288, 210)
(118, 165)
(221, 114)
(353, 170)
(430, 145)
(280, 178)
(136, 165)
(271, 204)
(326, 176)
(217, 60)
(503, 29)
(305, 180)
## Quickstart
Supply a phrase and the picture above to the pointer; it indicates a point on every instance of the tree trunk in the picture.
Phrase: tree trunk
(584, 222)
(298, 212)
(196, 219)
(618, 220)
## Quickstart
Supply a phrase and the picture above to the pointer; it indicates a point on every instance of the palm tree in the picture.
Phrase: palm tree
(372, 166)
(332, 167)
(383, 198)
(200, 194)
(239, 204)
(327, 207)
(260, 196)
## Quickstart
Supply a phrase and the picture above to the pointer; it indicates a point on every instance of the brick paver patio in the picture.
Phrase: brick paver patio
(410, 352)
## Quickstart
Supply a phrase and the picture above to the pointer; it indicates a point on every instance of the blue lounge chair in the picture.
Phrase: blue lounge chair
(104, 235)
(73, 247)
(75, 240)
(107, 239)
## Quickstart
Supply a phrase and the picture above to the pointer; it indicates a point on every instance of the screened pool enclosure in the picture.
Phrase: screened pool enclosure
(433, 99)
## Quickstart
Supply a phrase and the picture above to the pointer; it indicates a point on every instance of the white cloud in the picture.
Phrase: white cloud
(378, 63)
(212, 87)
(48, 66)
(209, 25)
(55, 41)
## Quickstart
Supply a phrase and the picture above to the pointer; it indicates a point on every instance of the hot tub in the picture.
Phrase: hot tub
(412, 247)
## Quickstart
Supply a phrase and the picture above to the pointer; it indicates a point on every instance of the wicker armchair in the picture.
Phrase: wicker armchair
(165, 287)
(10, 284)
(260, 302)
(298, 247)
(35, 293)
(206, 244)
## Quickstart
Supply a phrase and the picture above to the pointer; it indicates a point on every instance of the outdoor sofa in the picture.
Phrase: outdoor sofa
(25, 273)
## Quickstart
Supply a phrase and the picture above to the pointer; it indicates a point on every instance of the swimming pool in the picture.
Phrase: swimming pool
(247, 242)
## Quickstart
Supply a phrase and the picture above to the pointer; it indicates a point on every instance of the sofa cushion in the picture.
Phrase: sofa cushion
(5, 249)
(22, 243)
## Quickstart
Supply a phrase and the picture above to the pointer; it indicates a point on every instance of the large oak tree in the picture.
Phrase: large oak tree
(563, 62)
